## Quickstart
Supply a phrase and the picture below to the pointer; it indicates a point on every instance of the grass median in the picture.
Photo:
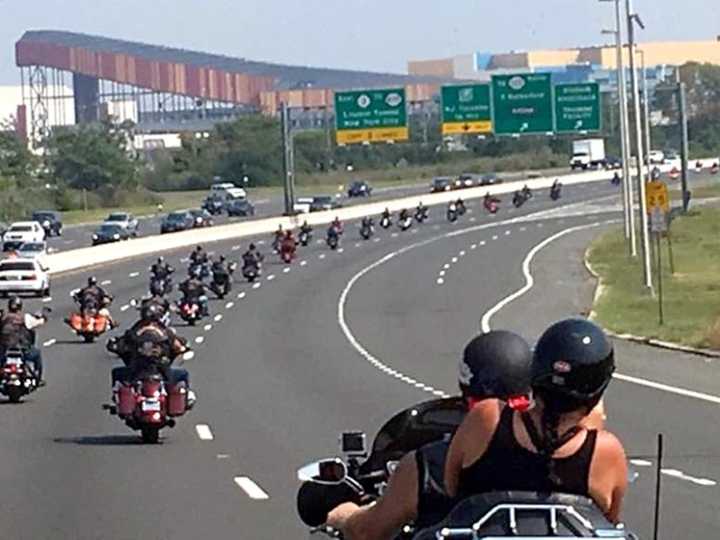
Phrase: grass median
(691, 296)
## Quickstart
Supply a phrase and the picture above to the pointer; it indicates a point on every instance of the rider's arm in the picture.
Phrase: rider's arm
(608, 475)
(32, 322)
(383, 519)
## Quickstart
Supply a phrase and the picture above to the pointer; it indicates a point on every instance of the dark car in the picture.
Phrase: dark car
(201, 218)
(107, 233)
(359, 188)
(465, 180)
(490, 179)
(324, 202)
(50, 221)
(214, 204)
(240, 207)
(612, 162)
(440, 184)
(177, 221)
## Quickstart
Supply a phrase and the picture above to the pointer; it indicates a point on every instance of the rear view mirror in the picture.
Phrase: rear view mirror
(326, 471)
(134, 303)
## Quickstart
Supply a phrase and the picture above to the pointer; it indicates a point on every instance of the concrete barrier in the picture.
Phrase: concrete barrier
(91, 256)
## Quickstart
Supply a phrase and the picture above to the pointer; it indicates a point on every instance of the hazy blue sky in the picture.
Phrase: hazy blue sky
(370, 34)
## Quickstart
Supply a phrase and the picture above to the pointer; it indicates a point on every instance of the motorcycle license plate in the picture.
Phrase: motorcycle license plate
(151, 405)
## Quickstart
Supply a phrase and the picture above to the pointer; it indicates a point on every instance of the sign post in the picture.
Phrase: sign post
(658, 207)
(466, 109)
(577, 108)
(522, 104)
(365, 116)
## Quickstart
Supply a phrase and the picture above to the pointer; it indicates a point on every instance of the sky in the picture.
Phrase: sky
(379, 35)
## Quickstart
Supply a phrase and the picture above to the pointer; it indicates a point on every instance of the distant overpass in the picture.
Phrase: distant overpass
(159, 86)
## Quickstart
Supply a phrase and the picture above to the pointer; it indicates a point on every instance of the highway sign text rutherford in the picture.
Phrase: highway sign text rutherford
(522, 103)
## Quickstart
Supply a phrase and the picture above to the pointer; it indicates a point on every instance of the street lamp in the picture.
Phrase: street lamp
(632, 19)
(628, 213)
(646, 104)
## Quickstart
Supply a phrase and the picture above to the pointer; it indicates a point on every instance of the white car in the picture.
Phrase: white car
(656, 157)
(28, 276)
(125, 220)
(302, 205)
(21, 232)
(32, 250)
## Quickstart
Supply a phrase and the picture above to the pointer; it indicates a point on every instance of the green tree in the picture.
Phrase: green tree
(16, 160)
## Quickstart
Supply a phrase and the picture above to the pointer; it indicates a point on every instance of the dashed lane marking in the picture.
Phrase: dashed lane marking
(133, 274)
(341, 250)
(250, 488)
(47, 299)
(235, 248)
(229, 305)
(241, 295)
(707, 482)
(203, 432)
(321, 256)
(474, 246)
(106, 282)
(286, 270)
(199, 339)
(454, 260)
(271, 277)
(507, 233)
(218, 317)
(462, 253)
(256, 285)
(495, 237)
(442, 273)
(376, 240)
(125, 307)
(50, 342)
(303, 263)
(207, 327)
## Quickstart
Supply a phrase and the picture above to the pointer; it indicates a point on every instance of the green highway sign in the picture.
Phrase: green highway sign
(466, 109)
(577, 107)
(363, 116)
(522, 103)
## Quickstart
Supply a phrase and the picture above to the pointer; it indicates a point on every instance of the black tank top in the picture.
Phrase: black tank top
(508, 466)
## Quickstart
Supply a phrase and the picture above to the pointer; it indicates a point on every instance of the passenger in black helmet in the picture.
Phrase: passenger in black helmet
(548, 448)
(494, 366)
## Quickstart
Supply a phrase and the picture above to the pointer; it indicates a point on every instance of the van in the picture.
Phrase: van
(227, 191)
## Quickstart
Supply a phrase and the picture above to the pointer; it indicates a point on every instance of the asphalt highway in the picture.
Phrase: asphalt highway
(335, 341)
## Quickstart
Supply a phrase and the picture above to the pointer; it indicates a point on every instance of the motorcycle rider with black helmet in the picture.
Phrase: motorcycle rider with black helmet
(252, 258)
(199, 256)
(161, 269)
(17, 330)
(95, 297)
(494, 366)
(549, 448)
(193, 290)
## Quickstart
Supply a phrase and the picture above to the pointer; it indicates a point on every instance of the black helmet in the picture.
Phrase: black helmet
(161, 260)
(92, 280)
(15, 304)
(221, 258)
(252, 247)
(151, 312)
(495, 365)
(574, 361)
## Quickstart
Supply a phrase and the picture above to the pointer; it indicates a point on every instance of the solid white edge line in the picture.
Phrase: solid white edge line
(203, 432)
(250, 488)
(668, 388)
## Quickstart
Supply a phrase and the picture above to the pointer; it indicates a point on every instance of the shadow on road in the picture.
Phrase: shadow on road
(101, 440)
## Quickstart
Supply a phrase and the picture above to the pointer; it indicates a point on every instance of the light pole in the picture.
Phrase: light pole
(646, 105)
(633, 18)
(628, 214)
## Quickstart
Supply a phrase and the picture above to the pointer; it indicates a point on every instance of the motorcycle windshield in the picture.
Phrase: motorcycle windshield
(412, 428)
(524, 514)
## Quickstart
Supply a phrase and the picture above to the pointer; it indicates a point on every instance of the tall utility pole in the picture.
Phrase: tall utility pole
(627, 190)
(684, 155)
(288, 158)
(644, 233)
(646, 106)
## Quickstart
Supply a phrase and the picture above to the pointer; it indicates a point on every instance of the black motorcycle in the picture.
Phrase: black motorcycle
(304, 238)
(385, 222)
(421, 214)
(366, 231)
(17, 379)
(555, 191)
(519, 198)
(221, 283)
(452, 213)
(160, 286)
(332, 241)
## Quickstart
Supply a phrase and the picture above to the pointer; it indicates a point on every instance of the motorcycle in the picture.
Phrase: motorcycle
(88, 322)
(519, 199)
(251, 272)
(16, 377)
(148, 403)
(715, 168)
(452, 214)
(221, 283)
(421, 215)
(362, 478)
(491, 205)
(190, 311)
(287, 253)
(332, 241)
(160, 286)
(615, 181)
(304, 238)
(366, 231)
(405, 223)
(385, 222)
(555, 192)
(461, 208)
(200, 270)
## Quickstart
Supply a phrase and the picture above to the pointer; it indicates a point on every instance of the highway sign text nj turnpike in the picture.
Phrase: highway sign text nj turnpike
(466, 109)
(371, 116)
(577, 107)
(522, 103)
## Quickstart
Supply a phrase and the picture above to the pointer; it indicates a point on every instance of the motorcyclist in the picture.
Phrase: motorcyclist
(332, 232)
(149, 340)
(404, 214)
(526, 192)
(95, 297)
(17, 330)
(161, 269)
(549, 448)
(305, 228)
(489, 199)
(494, 366)
(337, 224)
(615, 179)
(193, 290)
(367, 223)
(199, 256)
(555, 188)
(460, 205)
(252, 258)
(386, 214)
(288, 245)
(277, 237)
(219, 266)
(421, 210)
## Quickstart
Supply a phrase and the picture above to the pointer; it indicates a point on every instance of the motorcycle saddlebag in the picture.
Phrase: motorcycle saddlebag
(76, 322)
(126, 400)
(176, 399)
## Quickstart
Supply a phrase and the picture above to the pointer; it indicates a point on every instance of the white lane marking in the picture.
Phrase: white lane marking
(442, 273)
(529, 279)
(523, 229)
(462, 253)
(539, 225)
(641, 462)
(218, 317)
(495, 237)
(472, 220)
(184, 259)
(394, 235)
(50, 342)
(357, 244)
(303, 263)
(199, 339)
(318, 242)
(482, 242)
(124, 308)
(235, 248)
(474, 246)
(229, 305)
(207, 327)
(668, 388)
(250, 488)
(507, 233)
(454, 260)
(341, 250)
(271, 277)
(256, 285)
(286, 270)
(106, 282)
(203, 432)
(241, 295)
(376, 240)
(682, 476)
(321, 256)
(47, 299)
(133, 274)
(446, 266)
(440, 281)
